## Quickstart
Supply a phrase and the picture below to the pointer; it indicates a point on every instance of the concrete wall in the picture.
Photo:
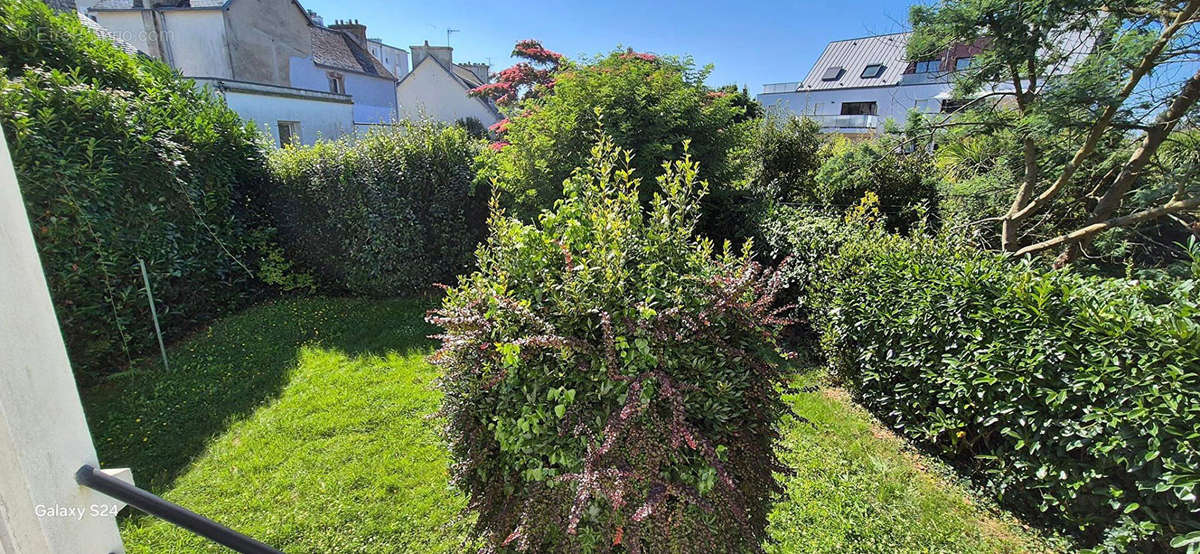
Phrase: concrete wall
(135, 27)
(431, 92)
(318, 119)
(197, 42)
(263, 37)
(43, 436)
(374, 97)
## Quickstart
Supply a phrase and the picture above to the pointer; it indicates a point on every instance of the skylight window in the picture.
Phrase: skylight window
(832, 74)
(872, 71)
(928, 66)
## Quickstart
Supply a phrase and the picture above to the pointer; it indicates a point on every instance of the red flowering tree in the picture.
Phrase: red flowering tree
(523, 80)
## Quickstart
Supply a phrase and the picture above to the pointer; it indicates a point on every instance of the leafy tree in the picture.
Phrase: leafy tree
(649, 104)
(1089, 93)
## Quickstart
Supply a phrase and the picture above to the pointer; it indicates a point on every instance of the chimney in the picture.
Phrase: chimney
(444, 54)
(354, 28)
(480, 70)
(320, 21)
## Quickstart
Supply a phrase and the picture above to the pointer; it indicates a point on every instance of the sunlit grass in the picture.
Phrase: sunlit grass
(307, 424)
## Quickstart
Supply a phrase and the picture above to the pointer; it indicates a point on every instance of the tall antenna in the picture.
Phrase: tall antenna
(448, 31)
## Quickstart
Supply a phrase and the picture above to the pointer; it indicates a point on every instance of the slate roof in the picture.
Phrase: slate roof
(337, 49)
(467, 75)
(853, 56)
(182, 4)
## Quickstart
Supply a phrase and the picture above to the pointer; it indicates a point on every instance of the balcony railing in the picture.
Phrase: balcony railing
(780, 87)
(847, 123)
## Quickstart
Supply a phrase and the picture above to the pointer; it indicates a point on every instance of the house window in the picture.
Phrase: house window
(928, 66)
(872, 71)
(962, 63)
(951, 106)
(832, 74)
(859, 108)
(289, 133)
(337, 84)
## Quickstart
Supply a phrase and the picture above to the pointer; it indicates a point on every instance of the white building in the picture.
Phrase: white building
(393, 58)
(436, 88)
(858, 84)
(274, 62)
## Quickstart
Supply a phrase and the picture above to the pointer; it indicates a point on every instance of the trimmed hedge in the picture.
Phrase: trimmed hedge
(608, 383)
(119, 159)
(389, 213)
(1075, 398)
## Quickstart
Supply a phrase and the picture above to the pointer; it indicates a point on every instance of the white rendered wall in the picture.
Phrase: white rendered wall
(318, 119)
(43, 436)
(430, 92)
(197, 42)
(129, 26)
(892, 102)
(374, 97)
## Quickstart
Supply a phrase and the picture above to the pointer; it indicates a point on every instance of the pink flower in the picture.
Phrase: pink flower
(500, 126)
(644, 56)
(533, 50)
(498, 145)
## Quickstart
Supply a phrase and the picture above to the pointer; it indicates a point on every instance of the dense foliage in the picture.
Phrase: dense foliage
(648, 104)
(607, 381)
(785, 155)
(1072, 397)
(119, 160)
(903, 182)
(389, 213)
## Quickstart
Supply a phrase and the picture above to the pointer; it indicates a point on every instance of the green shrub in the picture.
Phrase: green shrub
(119, 159)
(1074, 398)
(648, 104)
(786, 155)
(607, 381)
(385, 214)
(905, 182)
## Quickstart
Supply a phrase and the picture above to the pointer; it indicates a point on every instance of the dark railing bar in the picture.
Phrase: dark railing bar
(95, 479)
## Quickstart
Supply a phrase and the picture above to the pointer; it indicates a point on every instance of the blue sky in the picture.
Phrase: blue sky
(749, 43)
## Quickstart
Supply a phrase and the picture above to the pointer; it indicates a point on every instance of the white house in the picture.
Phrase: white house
(437, 88)
(274, 62)
(393, 58)
(858, 84)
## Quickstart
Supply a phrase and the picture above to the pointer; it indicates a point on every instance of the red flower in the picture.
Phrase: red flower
(500, 126)
(498, 145)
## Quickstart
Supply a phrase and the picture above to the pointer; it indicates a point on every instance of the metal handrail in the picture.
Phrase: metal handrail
(97, 480)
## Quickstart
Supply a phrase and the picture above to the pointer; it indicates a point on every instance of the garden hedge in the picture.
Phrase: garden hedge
(118, 159)
(1075, 398)
(388, 213)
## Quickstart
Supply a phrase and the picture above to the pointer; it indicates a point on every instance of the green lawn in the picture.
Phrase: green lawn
(306, 424)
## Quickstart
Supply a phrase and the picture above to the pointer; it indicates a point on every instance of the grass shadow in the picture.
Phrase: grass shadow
(157, 422)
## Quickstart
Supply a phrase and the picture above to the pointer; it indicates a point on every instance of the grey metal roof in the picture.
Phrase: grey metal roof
(853, 56)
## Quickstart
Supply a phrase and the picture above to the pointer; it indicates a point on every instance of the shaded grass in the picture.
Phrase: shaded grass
(311, 422)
